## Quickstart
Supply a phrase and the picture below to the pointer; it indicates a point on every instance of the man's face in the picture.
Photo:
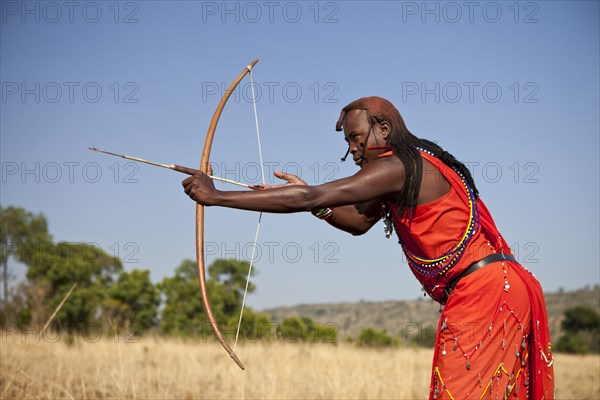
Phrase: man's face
(360, 136)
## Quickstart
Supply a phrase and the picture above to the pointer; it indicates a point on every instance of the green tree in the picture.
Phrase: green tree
(183, 313)
(52, 270)
(132, 301)
(232, 274)
(182, 304)
(20, 233)
(255, 326)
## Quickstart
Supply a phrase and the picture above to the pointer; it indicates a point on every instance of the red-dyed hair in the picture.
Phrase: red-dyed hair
(404, 145)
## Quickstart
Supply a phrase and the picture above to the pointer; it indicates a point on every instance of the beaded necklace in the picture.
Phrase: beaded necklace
(430, 267)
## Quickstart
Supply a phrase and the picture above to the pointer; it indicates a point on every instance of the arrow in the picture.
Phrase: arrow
(173, 167)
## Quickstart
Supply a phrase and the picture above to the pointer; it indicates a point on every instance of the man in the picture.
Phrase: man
(492, 337)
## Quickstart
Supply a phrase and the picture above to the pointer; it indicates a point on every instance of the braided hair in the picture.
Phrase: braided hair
(404, 145)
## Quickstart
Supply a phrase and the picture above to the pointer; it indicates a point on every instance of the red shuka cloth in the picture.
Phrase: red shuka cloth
(492, 338)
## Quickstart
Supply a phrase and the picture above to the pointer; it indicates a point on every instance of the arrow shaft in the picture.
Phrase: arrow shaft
(172, 167)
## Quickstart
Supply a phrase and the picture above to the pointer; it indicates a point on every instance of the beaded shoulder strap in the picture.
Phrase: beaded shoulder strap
(438, 265)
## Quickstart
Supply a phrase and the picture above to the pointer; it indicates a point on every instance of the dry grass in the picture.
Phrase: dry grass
(175, 369)
(577, 377)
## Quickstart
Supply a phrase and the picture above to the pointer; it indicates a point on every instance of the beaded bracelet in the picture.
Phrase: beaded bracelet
(323, 213)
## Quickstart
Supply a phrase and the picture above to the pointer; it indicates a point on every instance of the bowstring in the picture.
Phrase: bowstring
(255, 243)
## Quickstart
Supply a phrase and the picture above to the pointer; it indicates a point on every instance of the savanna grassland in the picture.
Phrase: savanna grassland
(154, 368)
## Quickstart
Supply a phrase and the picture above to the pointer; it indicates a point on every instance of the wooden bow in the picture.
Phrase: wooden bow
(204, 162)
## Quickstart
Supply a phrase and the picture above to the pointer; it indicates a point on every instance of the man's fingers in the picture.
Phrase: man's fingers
(284, 176)
(292, 179)
(185, 170)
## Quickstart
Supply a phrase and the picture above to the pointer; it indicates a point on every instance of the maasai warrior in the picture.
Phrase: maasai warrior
(492, 339)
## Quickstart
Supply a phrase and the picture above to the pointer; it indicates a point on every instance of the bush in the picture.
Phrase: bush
(582, 331)
(370, 337)
(581, 318)
(304, 329)
(570, 343)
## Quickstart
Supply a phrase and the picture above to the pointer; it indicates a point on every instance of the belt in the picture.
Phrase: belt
(495, 257)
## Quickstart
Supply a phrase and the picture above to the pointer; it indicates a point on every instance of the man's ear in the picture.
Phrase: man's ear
(385, 129)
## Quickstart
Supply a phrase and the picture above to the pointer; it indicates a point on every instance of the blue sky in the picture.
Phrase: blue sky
(510, 88)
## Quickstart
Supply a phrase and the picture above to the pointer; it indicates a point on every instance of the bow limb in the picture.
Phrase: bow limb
(204, 162)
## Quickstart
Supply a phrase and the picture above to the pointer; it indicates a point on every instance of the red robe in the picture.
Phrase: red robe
(492, 339)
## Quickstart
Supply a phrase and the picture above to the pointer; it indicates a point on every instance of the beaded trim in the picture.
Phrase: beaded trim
(440, 265)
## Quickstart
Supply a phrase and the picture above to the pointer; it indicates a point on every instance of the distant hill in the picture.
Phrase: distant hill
(396, 316)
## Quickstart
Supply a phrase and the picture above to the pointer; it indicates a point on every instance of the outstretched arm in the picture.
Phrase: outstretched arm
(355, 219)
(362, 191)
